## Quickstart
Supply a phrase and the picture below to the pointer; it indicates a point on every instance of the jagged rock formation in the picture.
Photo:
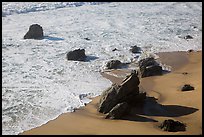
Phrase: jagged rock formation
(116, 100)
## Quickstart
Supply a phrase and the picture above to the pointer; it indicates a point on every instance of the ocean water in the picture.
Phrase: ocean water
(39, 84)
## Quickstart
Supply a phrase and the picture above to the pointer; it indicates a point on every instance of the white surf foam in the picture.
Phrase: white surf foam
(38, 83)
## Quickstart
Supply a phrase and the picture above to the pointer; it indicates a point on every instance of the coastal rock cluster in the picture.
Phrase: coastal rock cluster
(117, 100)
(149, 67)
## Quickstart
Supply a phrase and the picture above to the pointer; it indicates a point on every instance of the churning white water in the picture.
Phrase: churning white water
(39, 83)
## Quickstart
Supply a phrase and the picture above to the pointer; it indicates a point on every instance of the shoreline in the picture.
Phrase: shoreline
(86, 120)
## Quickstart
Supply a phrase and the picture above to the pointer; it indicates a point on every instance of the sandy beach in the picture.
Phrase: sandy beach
(170, 103)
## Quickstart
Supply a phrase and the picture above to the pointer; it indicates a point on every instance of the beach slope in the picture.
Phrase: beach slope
(165, 101)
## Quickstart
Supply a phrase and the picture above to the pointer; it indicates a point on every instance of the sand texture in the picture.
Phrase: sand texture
(165, 101)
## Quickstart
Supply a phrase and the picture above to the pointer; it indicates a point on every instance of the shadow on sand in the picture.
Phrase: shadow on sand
(152, 108)
(138, 118)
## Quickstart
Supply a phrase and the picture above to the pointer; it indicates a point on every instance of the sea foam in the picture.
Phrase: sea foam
(39, 83)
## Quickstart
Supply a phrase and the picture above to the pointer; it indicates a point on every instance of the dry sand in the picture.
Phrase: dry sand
(171, 103)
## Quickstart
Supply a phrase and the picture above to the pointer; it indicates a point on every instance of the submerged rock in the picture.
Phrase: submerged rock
(188, 37)
(172, 126)
(113, 64)
(87, 39)
(76, 55)
(187, 87)
(114, 49)
(135, 49)
(190, 50)
(35, 32)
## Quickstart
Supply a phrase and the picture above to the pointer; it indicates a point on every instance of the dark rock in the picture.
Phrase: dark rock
(135, 49)
(188, 37)
(87, 38)
(108, 99)
(187, 87)
(35, 32)
(118, 111)
(151, 71)
(172, 126)
(77, 55)
(130, 83)
(147, 62)
(149, 67)
(113, 64)
(194, 27)
(127, 91)
(135, 99)
(114, 49)
(185, 73)
(190, 50)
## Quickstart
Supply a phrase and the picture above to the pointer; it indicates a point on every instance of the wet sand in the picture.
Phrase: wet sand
(165, 101)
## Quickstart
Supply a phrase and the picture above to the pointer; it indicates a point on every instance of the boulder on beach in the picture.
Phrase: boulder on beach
(151, 71)
(136, 99)
(76, 55)
(127, 91)
(172, 126)
(147, 62)
(187, 87)
(118, 111)
(149, 67)
(113, 64)
(35, 32)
